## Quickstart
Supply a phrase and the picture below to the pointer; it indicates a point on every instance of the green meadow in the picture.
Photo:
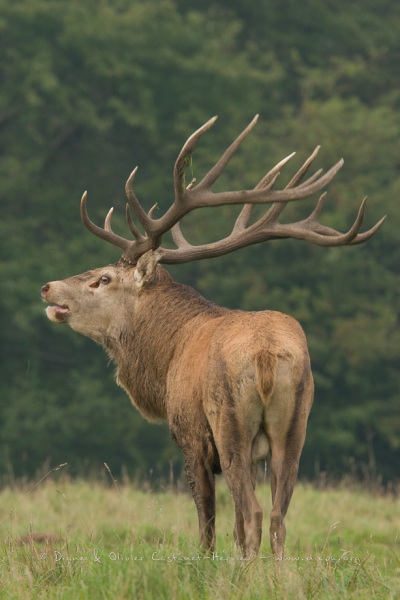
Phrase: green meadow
(71, 539)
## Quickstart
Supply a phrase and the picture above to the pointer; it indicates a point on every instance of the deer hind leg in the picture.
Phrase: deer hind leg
(239, 529)
(234, 450)
(248, 511)
(283, 479)
(284, 462)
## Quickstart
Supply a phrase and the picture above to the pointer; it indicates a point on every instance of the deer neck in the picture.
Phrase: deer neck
(144, 347)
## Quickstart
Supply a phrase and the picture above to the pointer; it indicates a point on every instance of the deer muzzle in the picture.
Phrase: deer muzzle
(55, 312)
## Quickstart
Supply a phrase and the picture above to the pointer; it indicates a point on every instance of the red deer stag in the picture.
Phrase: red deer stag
(234, 386)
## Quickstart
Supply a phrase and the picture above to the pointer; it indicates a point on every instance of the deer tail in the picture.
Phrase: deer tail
(265, 374)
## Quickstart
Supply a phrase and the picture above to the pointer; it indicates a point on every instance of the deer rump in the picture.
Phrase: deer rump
(248, 393)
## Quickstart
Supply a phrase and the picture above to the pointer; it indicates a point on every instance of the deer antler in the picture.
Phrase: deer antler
(197, 195)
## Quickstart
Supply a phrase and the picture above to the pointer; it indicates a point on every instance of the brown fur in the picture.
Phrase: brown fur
(232, 385)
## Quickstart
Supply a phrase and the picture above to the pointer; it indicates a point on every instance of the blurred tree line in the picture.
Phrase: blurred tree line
(89, 90)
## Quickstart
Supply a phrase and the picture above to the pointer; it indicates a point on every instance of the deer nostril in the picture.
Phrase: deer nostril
(45, 289)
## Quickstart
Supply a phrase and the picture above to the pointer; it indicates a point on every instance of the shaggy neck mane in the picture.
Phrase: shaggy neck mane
(144, 350)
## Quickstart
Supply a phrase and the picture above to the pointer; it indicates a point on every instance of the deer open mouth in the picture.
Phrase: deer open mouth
(57, 313)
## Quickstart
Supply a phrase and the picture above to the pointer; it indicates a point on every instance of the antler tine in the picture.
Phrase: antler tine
(310, 230)
(179, 238)
(134, 202)
(269, 179)
(304, 168)
(184, 155)
(135, 231)
(316, 212)
(327, 236)
(266, 182)
(311, 179)
(366, 235)
(217, 169)
(276, 209)
(107, 221)
(104, 234)
(151, 211)
(243, 218)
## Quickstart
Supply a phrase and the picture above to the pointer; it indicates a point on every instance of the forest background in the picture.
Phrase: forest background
(91, 89)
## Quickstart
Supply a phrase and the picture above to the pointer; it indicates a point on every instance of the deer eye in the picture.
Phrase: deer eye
(105, 279)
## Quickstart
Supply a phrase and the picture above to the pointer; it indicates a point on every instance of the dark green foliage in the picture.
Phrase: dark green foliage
(89, 90)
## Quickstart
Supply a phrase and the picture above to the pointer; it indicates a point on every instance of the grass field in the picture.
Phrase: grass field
(117, 541)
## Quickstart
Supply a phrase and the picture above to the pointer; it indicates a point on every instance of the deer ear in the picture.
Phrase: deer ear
(145, 269)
